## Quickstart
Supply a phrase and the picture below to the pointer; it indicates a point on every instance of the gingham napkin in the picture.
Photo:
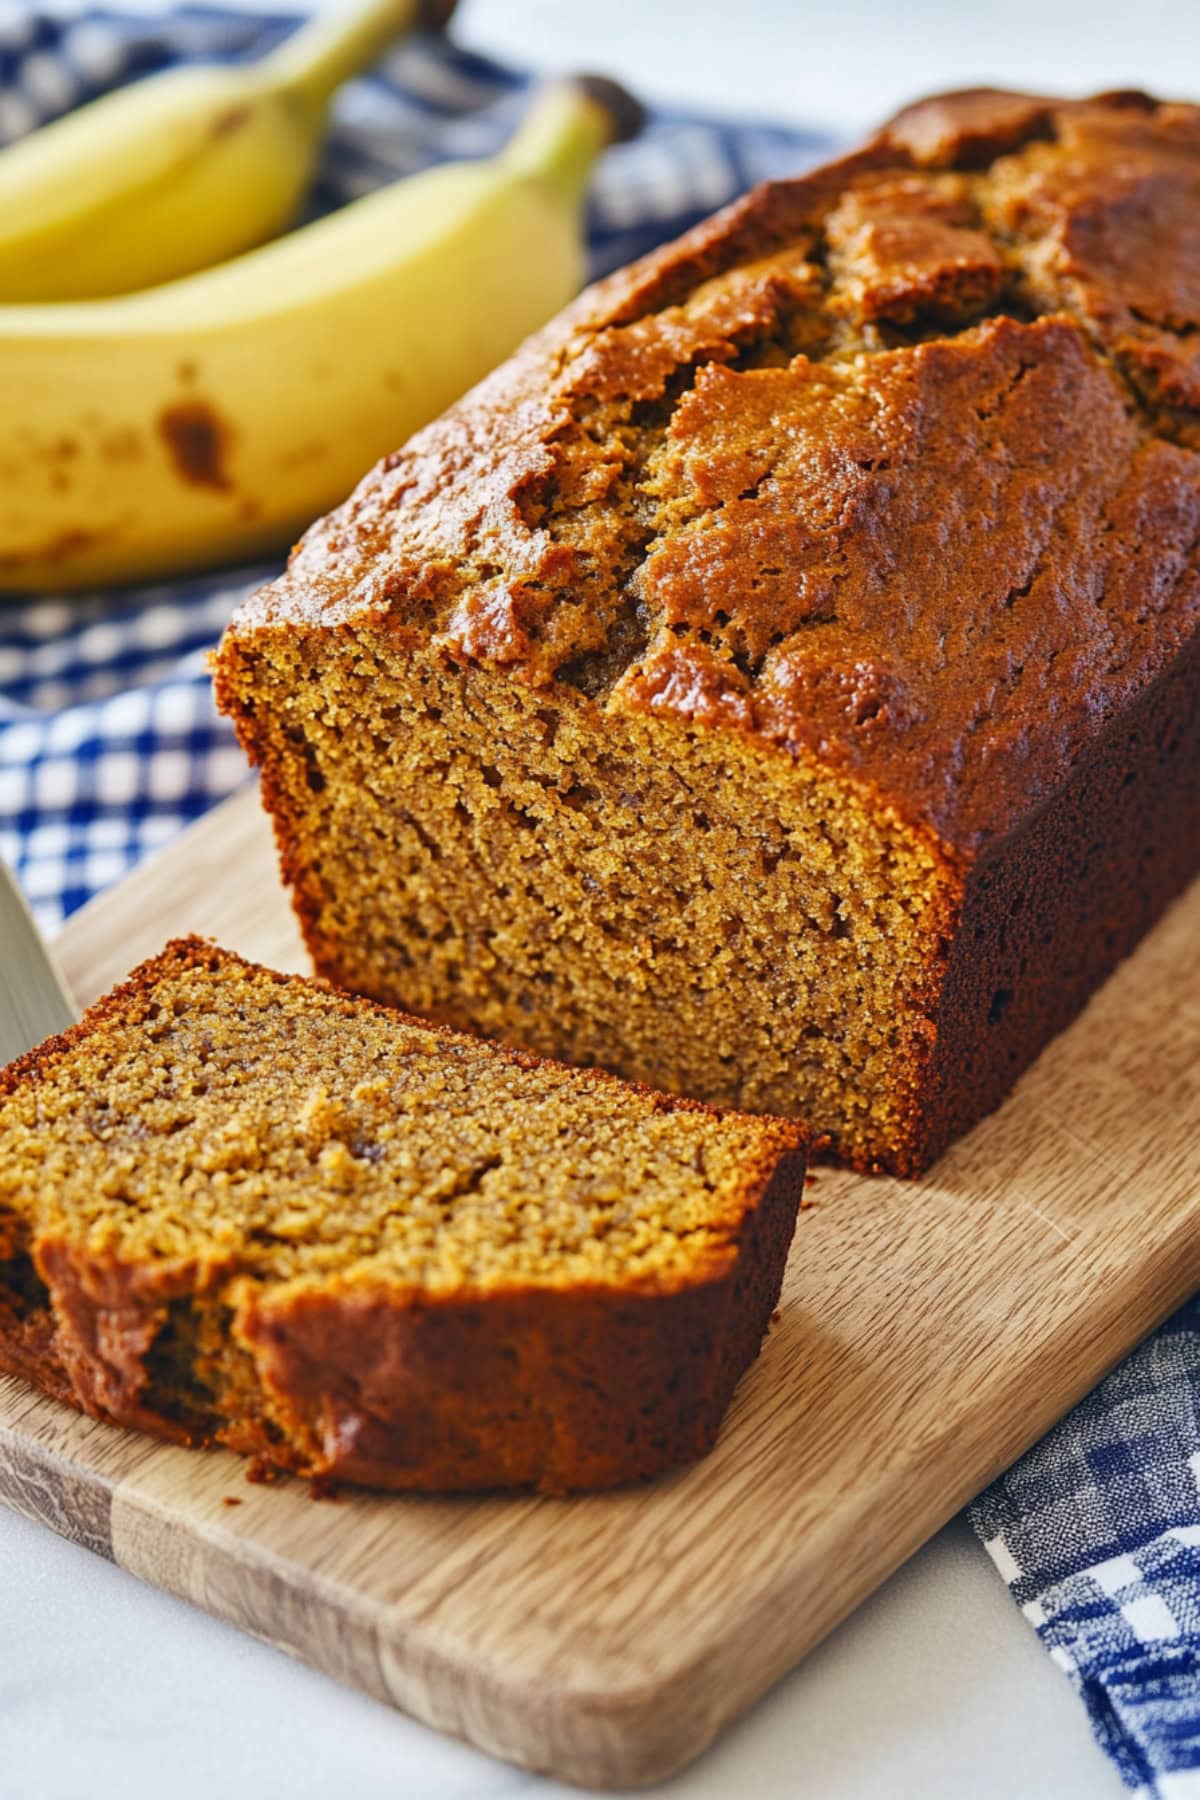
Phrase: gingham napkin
(1097, 1532)
(109, 744)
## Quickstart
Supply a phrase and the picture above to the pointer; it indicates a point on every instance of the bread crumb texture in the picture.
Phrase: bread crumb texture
(667, 703)
(237, 1204)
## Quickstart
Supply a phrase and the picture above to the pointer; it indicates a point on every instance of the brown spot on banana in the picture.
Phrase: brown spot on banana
(233, 120)
(58, 549)
(197, 441)
(59, 451)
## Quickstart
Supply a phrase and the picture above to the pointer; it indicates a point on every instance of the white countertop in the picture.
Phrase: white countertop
(936, 1688)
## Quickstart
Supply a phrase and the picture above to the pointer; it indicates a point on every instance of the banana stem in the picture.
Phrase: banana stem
(559, 140)
(313, 63)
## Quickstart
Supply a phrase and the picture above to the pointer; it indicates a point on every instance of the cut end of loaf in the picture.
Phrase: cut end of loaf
(603, 889)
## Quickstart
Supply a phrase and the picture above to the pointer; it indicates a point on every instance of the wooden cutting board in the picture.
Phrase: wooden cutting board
(928, 1333)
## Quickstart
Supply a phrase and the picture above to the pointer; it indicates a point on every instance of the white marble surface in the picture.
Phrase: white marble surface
(936, 1688)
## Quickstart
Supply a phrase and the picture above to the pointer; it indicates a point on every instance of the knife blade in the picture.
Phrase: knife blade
(35, 1000)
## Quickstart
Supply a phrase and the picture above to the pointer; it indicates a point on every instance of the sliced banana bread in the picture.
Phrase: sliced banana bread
(237, 1206)
(781, 682)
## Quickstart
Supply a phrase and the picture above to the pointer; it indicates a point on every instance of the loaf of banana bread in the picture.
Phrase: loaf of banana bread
(779, 682)
(237, 1206)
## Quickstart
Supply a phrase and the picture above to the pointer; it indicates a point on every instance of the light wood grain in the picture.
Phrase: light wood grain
(928, 1333)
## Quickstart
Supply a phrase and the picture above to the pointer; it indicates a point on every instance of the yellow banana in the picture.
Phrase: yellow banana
(181, 170)
(212, 418)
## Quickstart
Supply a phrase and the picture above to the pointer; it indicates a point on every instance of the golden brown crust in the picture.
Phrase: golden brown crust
(558, 1385)
(891, 436)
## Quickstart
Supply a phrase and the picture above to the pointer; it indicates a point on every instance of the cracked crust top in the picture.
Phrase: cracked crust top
(897, 463)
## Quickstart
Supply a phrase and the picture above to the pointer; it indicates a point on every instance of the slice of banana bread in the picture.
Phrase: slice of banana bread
(237, 1206)
(781, 682)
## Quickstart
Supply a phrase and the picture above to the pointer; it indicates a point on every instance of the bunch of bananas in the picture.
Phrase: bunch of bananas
(209, 416)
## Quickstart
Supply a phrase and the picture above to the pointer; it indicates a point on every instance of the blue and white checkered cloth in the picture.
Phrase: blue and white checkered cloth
(109, 745)
(1097, 1532)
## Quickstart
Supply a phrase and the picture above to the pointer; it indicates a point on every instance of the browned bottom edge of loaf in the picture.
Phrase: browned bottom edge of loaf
(524, 1389)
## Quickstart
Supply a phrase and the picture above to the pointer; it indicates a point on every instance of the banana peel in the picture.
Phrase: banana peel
(209, 420)
(183, 169)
